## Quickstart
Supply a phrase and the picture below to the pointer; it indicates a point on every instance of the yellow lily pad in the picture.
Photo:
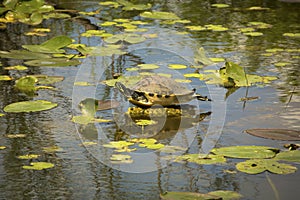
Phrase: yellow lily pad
(145, 122)
(39, 165)
(148, 66)
(118, 144)
(2, 147)
(291, 34)
(5, 78)
(220, 5)
(89, 143)
(20, 135)
(121, 159)
(51, 149)
(2, 114)
(177, 66)
(217, 59)
(28, 156)
(16, 67)
(253, 34)
(159, 15)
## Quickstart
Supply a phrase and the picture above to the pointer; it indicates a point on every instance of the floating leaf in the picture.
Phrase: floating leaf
(121, 159)
(45, 79)
(145, 122)
(2, 147)
(99, 33)
(20, 135)
(29, 106)
(118, 144)
(217, 59)
(291, 34)
(53, 62)
(202, 159)
(183, 80)
(282, 64)
(226, 194)
(255, 166)
(148, 66)
(290, 156)
(52, 45)
(260, 25)
(159, 15)
(246, 151)
(101, 51)
(196, 28)
(253, 34)
(247, 29)
(5, 78)
(152, 146)
(23, 55)
(177, 66)
(110, 4)
(1, 114)
(39, 165)
(220, 5)
(130, 6)
(82, 119)
(52, 149)
(83, 83)
(216, 27)
(188, 196)
(257, 8)
(29, 156)
(89, 143)
(275, 134)
(126, 37)
(107, 23)
(200, 57)
(26, 84)
(56, 15)
(16, 67)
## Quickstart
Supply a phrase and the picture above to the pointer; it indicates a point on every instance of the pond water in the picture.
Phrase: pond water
(84, 171)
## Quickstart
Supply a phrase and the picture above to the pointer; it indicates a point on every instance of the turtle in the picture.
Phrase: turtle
(158, 90)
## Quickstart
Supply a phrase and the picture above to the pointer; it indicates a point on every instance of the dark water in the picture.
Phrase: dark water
(80, 171)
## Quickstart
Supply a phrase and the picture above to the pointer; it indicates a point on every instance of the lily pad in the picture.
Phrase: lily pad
(145, 122)
(188, 196)
(130, 6)
(159, 15)
(275, 134)
(256, 166)
(28, 156)
(118, 144)
(52, 149)
(26, 84)
(202, 159)
(196, 28)
(291, 34)
(226, 194)
(200, 57)
(39, 165)
(1, 114)
(148, 66)
(45, 79)
(2, 147)
(52, 45)
(30, 106)
(53, 62)
(121, 159)
(246, 151)
(253, 34)
(5, 78)
(290, 156)
(20, 135)
(177, 66)
(101, 51)
(16, 67)
(220, 5)
(126, 37)
(23, 55)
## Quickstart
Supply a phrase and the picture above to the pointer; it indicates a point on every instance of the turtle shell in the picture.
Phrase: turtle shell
(160, 90)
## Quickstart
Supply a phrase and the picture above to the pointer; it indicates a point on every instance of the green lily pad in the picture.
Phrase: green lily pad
(45, 79)
(217, 59)
(200, 57)
(23, 55)
(226, 194)
(220, 5)
(246, 151)
(39, 165)
(216, 27)
(52, 45)
(16, 67)
(256, 166)
(29, 156)
(29, 106)
(101, 51)
(5, 78)
(290, 156)
(27, 84)
(53, 62)
(275, 134)
(259, 25)
(82, 119)
(247, 29)
(126, 37)
(202, 159)
(194, 75)
(121, 159)
(257, 8)
(110, 4)
(188, 196)
(2, 147)
(2, 114)
(282, 64)
(177, 66)
(159, 15)
(145, 122)
(99, 33)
